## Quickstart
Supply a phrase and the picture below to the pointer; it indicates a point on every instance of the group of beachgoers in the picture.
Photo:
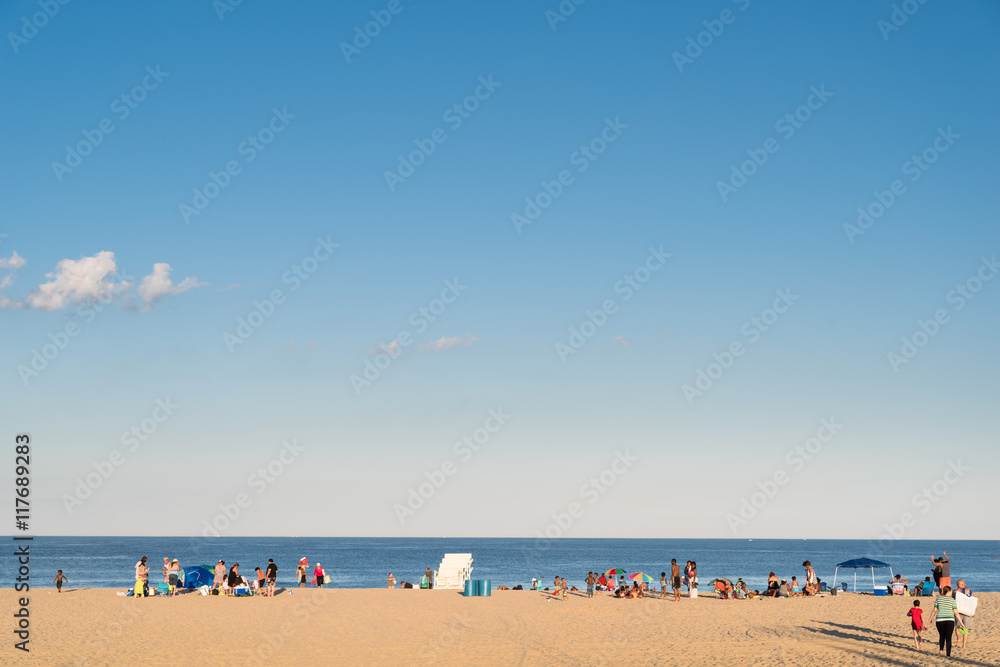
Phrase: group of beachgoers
(225, 582)
(426, 581)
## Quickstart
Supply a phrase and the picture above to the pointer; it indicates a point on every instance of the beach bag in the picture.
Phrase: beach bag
(326, 578)
(966, 604)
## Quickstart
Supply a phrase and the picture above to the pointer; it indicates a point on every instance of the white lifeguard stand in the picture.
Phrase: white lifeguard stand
(454, 570)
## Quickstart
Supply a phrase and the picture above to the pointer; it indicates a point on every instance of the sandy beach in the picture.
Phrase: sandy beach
(404, 627)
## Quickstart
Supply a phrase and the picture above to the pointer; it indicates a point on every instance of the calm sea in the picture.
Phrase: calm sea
(365, 562)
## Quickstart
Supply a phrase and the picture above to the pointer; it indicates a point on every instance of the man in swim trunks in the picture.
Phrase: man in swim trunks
(58, 581)
(675, 579)
(591, 580)
(271, 576)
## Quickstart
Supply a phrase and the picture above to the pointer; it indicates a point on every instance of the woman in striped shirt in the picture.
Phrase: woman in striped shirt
(944, 616)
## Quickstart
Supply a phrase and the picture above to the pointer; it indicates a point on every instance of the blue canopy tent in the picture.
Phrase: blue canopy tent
(197, 576)
(861, 563)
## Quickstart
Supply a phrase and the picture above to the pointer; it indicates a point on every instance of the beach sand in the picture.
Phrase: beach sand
(414, 627)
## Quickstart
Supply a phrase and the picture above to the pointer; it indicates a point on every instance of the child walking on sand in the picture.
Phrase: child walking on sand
(58, 581)
(916, 615)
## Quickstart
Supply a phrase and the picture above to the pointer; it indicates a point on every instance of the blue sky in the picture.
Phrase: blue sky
(114, 227)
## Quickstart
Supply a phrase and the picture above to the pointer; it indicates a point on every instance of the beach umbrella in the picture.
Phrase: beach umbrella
(641, 577)
(615, 571)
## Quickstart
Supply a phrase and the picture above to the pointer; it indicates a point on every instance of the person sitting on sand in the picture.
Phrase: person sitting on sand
(786, 589)
(796, 591)
(772, 585)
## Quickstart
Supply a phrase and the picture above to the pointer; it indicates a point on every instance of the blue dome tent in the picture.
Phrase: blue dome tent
(197, 576)
(861, 563)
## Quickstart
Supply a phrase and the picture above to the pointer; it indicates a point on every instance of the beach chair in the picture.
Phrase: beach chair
(898, 588)
(163, 589)
(926, 589)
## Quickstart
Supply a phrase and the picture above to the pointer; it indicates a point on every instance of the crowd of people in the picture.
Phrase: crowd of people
(225, 582)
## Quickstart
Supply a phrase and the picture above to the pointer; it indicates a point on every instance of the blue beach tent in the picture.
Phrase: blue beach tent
(861, 564)
(197, 576)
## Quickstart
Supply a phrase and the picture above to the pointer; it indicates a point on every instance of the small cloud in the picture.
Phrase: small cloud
(229, 287)
(78, 281)
(620, 340)
(392, 349)
(12, 264)
(157, 285)
(311, 343)
(291, 343)
(445, 343)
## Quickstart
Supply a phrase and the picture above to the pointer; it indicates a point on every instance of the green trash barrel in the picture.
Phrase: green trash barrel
(486, 588)
(468, 588)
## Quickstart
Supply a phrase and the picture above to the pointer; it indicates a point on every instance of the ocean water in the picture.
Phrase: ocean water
(362, 562)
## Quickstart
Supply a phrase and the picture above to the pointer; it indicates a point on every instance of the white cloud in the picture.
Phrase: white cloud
(620, 340)
(392, 349)
(158, 284)
(77, 281)
(445, 343)
(12, 264)
(230, 286)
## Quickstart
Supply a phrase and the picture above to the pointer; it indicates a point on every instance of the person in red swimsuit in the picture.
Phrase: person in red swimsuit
(916, 615)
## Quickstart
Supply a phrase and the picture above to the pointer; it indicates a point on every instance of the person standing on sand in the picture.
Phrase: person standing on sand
(300, 572)
(965, 619)
(272, 577)
(141, 572)
(937, 571)
(916, 622)
(591, 580)
(812, 581)
(58, 581)
(319, 573)
(693, 588)
(174, 576)
(166, 570)
(675, 579)
(945, 570)
(390, 581)
(430, 578)
(220, 574)
(944, 617)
